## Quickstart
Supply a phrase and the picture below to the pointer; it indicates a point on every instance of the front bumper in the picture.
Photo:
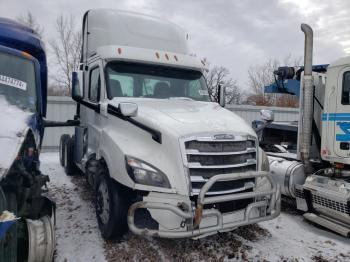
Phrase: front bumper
(266, 206)
(325, 204)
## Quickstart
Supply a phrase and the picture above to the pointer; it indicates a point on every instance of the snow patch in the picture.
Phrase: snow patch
(13, 123)
(293, 237)
(77, 235)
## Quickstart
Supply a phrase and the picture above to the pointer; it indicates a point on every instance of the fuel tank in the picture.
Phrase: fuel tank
(287, 173)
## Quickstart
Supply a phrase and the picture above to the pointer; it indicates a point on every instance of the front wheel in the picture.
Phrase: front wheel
(111, 208)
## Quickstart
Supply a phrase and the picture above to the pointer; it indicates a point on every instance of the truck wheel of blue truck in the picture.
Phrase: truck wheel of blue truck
(111, 207)
(63, 143)
(69, 166)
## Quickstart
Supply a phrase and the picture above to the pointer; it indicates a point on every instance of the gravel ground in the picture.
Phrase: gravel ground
(286, 238)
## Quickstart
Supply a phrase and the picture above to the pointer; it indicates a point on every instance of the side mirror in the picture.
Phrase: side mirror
(128, 109)
(77, 86)
(222, 95)
(267, 116)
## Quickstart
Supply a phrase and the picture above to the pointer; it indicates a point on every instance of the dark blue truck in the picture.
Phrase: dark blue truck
(23, 100)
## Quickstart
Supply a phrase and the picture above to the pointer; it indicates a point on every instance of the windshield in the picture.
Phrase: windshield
(138, 80)
(17, 81)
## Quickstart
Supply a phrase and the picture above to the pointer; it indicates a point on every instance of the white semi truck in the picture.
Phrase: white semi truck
(313, 165)
(163, 159)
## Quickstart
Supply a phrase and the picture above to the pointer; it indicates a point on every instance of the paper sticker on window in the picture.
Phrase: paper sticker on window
(9, 81)
(203, 92)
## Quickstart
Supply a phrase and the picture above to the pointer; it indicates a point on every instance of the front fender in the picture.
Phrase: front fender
(114, 158)
(10, 147)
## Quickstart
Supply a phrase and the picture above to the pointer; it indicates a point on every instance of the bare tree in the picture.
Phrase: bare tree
(66, 48)
(29, 20)
(262, 75)
(219, 75)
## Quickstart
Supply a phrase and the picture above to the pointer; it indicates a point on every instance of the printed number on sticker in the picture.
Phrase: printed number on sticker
(9, 81)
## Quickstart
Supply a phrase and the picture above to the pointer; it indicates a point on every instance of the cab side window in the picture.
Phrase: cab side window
(95, 85)
(345, 96)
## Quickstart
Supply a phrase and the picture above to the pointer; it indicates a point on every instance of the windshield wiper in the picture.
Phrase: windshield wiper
(181, 98)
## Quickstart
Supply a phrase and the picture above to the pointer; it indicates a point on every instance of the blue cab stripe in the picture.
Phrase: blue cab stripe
(336, 117)
(336, 114)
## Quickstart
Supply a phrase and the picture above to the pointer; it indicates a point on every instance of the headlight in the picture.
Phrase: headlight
(145, 174)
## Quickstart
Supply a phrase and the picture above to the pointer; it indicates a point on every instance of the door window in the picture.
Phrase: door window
(345, 95)
(95, 84)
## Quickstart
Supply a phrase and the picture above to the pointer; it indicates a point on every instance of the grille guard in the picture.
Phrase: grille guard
(272, 207)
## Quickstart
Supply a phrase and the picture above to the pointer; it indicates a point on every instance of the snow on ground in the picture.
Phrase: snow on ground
(293, 237)
(286, 238)
(77, 234)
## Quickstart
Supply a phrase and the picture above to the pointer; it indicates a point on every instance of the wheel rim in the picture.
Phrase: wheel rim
(103, 202)
(41, 239)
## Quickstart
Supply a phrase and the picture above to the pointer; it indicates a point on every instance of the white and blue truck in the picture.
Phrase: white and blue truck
(310, 158)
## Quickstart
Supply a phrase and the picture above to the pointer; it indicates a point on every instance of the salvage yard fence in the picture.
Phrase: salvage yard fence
(63, 108)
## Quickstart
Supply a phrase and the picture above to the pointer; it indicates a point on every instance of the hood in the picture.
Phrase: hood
(185, 117)
(13, 127)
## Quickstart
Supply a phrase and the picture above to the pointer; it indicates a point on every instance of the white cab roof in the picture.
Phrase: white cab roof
(340, 62)
(105, 27)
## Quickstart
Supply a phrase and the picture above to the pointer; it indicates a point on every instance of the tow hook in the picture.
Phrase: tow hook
(198, 215)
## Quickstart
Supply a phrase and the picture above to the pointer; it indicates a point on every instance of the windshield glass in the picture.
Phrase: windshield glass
(17, 81)
(139, 80)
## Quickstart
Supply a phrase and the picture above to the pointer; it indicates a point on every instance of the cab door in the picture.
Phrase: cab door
(90, 112)
(341, 118)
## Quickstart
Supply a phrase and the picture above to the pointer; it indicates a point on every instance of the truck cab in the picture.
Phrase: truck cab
(23, 83)
(163, 159)
(322, 191)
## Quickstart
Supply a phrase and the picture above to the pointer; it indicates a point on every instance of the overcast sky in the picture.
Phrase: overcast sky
(235, 34)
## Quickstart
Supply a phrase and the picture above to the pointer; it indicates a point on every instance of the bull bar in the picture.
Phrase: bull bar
(272, 205)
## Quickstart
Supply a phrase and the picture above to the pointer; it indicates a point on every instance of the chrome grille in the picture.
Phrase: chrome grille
(219, 147)
(299, 193)
(324, 202)
(329, 203)
(207, 157)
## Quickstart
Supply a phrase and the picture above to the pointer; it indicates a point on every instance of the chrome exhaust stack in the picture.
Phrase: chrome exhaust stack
(307, 100)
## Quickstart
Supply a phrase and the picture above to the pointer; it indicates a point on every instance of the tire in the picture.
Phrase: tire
(63, 142)
(93, 171)
(111, 208)
(69, 166)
